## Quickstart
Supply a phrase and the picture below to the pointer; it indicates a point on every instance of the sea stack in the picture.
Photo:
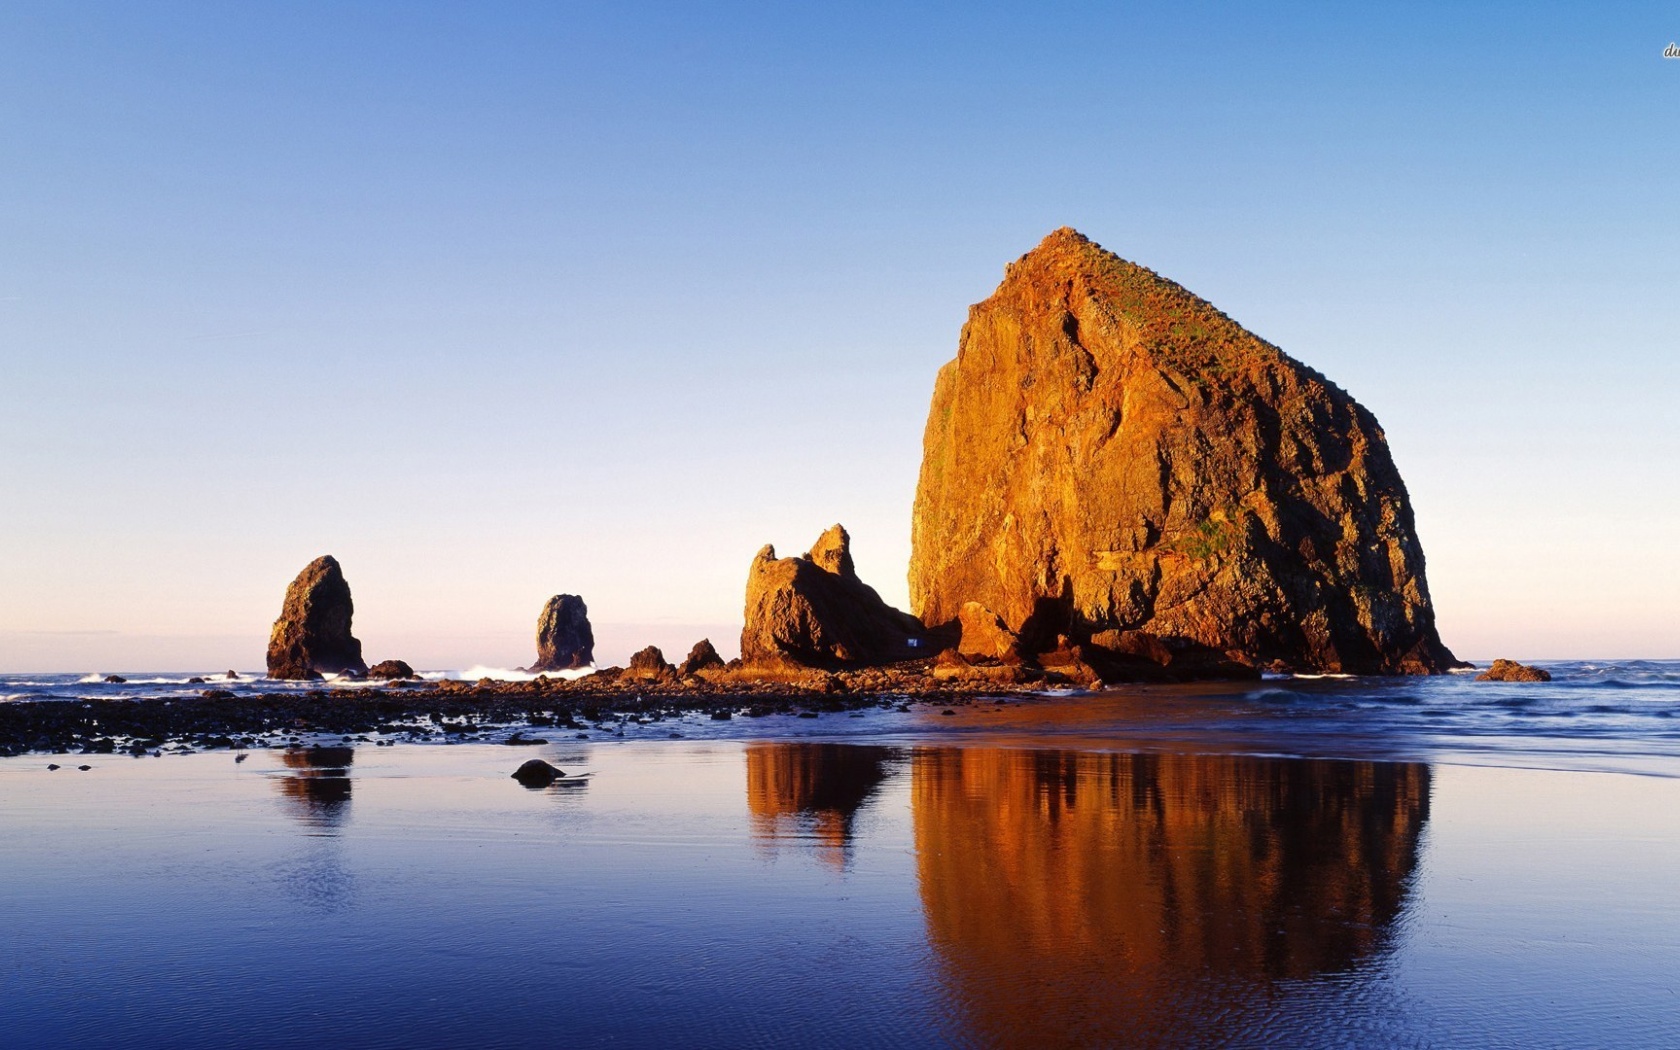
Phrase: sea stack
(565, 641)
(312, 636)
(813, 610)
(1111, 460)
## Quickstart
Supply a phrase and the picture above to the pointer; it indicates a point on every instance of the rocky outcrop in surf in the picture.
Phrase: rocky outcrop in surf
(814, 610)
(312, 636)
(1110, 456)
(1511, 671)
(565, 641)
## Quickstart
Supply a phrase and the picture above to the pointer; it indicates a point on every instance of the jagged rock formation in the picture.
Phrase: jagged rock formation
(1109, 453)
(312, 636)
(1511, 671)
(649, 663)
(814, 610)
(565, 641)
(700, 658)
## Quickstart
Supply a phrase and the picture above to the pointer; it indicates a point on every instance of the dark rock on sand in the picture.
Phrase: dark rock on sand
(565, 641)
(1109, 452)
(700, 658)
(390, 669)
(537, 774)
(312, 636)
(814, 610)
(1511, 671)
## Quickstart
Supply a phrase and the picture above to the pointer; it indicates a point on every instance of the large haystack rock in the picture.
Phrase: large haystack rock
(312, 636)
(565, 640)
(814, 610)
(1110, 453)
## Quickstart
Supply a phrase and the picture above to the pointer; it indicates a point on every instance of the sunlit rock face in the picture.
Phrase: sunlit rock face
(1109, 453)
(1125, 882)
(810, 793)
(813, 610)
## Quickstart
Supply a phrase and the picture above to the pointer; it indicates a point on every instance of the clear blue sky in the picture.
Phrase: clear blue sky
(498, 300)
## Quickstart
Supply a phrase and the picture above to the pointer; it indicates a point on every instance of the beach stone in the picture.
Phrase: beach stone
(1511, 671)
(700, 658)
(1109, 452)
(390, 669)
(312, 636)
(814, 610)
(565, 641)
(535, 773)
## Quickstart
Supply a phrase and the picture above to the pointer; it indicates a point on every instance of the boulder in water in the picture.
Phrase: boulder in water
(536, 773)
(391, 669)
(1511, 671)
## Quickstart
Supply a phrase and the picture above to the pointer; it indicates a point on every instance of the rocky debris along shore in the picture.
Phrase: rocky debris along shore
(456, 710)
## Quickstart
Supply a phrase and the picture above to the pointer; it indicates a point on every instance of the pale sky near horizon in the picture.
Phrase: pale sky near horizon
(495, 301)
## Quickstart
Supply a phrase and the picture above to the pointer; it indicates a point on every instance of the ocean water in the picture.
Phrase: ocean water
(1293, 863)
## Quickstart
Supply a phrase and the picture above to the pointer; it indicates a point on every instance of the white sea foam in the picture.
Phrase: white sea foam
(504, 674)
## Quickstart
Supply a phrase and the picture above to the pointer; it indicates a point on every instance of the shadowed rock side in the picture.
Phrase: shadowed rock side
(703, 657)
(811, 793)
(813, 610)
(565, 640)
(1108, 452)
(312, 636)
(1138, 885)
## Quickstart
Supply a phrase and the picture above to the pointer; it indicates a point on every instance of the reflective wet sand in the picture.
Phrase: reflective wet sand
(825, 893)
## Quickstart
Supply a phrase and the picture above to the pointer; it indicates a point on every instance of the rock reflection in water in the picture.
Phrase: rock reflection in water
(812, 792)
(1078, 898)
(319, 790)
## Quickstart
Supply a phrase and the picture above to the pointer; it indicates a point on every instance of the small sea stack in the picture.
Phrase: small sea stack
(565, 641)
(312, 636)
(814, 610)
(703, 657)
